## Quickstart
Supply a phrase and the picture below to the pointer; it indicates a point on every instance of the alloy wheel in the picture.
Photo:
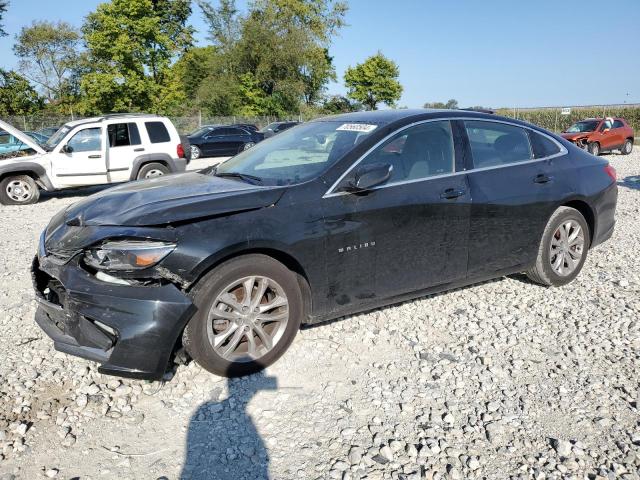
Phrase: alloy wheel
(19, 191)
(195, 152)
(567, 248)
(247, 146)
(247, 319)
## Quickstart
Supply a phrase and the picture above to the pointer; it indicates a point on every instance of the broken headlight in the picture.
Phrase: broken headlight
(125, 255)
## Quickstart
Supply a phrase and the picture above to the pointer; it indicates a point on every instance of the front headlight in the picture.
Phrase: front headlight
(127, 254)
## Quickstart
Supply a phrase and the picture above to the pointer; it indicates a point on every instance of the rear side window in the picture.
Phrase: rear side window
(494, 144)
(157, 132)
(123, 134)
(542, 146)
(618, 124)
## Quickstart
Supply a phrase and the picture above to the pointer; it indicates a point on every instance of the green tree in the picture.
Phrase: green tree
(276, 54)
(17, 96)
(451, 104)
(338, 104)
(48, 54)
(3, 8)
(132, 46)
(373, 82)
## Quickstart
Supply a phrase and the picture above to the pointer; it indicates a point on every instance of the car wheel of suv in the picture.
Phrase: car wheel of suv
(249, 311)
(19, 190)
(247, 146)
(151, 170)
(195, 152)
(627, 147)
(563, 249)
(594, 148)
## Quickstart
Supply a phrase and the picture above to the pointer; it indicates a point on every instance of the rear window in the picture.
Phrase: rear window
(157, 131)
(494, 144)
(542, 146)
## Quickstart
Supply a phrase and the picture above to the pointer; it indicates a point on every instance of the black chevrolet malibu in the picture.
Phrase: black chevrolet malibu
(332, 217)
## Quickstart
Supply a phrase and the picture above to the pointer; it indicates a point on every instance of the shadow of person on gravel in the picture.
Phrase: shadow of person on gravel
(222, 441)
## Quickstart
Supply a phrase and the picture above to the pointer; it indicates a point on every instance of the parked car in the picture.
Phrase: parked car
(38, 137)
(48, 131)
(321, 222)
(10, 143)
(277, 127)
(247, 126)
(599, 135)
(222, 140)
(108, 149)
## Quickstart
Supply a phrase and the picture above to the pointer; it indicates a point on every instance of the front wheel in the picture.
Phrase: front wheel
(247, 146)
(195, 152)
(627, 148)
(563, 248)
(594, 148)
(19, 190)
(249, 311)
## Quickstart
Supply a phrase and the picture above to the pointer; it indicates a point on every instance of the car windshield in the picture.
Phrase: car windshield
(200, 131)
(296, 155)
(585, 126)
(57, 137)
(271, 126)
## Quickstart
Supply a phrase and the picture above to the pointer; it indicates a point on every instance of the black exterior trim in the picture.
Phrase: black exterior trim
(29, 167)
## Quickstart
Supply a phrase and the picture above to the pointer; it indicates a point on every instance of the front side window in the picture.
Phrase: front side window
(297, 154)
(494, 144)
(87, 140)
(157, 132)
(417, 152)
(123, 134)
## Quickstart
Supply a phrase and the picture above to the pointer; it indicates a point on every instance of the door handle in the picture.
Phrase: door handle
(138, 149)
(95, 156)
(451, 193)
(542, 178)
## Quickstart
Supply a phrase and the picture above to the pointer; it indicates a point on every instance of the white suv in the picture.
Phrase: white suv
(108, 149)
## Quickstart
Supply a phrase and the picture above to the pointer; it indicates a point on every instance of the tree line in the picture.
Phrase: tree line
(140, 55)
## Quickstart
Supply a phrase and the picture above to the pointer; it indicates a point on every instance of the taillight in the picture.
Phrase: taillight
(180, 151)
(611, 172)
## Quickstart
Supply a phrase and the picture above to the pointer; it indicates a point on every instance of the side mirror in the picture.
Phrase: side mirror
(67, 149)
(369, 176)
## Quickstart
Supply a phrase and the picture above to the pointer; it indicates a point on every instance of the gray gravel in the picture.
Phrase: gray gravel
(500, 380)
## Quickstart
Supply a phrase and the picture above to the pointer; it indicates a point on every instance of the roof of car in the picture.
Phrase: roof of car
(111, 116)
(389, 116)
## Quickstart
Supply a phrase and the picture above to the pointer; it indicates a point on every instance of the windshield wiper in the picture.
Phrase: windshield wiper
(242, 176)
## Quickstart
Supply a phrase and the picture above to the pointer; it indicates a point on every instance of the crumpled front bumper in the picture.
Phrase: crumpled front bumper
(130, 330)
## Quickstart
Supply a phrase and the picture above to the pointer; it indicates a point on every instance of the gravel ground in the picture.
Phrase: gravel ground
(500, 380)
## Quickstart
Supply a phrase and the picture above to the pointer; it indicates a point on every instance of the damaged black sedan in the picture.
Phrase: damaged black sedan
(332, 217)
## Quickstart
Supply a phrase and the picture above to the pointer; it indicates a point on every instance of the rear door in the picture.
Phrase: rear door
(618, 132)
(123, 147)
(84, 161)
(407, 234)
(514, 190)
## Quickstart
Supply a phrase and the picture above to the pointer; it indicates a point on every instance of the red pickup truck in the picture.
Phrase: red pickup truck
(599, 135)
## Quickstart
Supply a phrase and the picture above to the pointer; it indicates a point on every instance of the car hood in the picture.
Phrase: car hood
(23, 137)
(170, 199)
(574, 136)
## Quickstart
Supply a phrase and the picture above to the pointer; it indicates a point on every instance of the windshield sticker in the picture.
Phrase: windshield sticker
(356, 127)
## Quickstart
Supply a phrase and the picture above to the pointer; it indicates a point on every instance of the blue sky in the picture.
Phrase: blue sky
(491, 53)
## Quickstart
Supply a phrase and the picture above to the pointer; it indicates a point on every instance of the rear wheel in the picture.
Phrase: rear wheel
(19, 190)
(594, 148)
(563, 248)
(627, 148)
(249, 311)
(151, 170)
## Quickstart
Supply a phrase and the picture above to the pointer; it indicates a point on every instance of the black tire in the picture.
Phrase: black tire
(151, 170)
(19, 190)
(542, 272)
(627, 148)
(195, 338)
(594, 148)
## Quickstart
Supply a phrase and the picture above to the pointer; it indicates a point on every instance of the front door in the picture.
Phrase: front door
(405, 235)
(83, 161)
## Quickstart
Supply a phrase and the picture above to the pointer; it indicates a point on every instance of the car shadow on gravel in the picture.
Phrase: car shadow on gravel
(632, 182)
(222, 441)
(72, 192)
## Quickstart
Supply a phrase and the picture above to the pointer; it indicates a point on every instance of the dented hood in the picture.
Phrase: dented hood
(575, 136)
(170, 199)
